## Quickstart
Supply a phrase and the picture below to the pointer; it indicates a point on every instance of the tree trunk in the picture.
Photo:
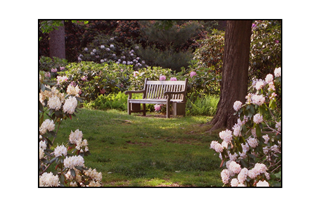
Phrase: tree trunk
(234, 72)
(57, 43)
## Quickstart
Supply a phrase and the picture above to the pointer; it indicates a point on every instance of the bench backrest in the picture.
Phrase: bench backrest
(156, 89)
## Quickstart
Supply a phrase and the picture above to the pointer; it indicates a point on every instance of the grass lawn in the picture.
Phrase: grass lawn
(137, 151)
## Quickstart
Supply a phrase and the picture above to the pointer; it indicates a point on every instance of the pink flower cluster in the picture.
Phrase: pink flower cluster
(61, 79)
(173, 79)
(157, 107)
(162, 77)
(193, 74)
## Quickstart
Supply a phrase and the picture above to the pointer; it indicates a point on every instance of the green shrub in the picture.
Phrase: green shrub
(206, 105)
(111, 101)
(169, 43)
(51, 67)
(94, 79)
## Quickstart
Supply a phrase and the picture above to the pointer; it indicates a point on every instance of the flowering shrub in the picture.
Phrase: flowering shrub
(68, 159)
(108, 49)
(52, 66)
(265, 48)
(251, 151)
(95, 79)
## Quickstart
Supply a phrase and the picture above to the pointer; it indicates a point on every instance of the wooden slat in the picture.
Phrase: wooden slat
(166, 82)
(152, 91)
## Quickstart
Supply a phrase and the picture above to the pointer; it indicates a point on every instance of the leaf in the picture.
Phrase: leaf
(243, 163)
(73, 173)
(80, 168)
(54, 159)
(258, 131)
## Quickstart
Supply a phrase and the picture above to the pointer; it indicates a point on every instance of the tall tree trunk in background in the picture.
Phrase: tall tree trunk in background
(234, 72)
(57, 43)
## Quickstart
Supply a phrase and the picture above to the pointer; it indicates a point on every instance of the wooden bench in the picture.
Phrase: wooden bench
(160, 92)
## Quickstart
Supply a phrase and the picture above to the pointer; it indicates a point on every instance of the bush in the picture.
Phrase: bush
(265, 48)
(251, 152)
(52, 66)
(108, 49)
(111, 101)
(169, 43)
(68, 159)
(205, 105)
(95, 79)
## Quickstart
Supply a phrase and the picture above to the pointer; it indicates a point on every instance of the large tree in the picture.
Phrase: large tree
(234, 72)
(57, 43)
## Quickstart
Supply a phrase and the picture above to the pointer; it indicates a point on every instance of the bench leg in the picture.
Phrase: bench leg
(129, 108)
(168, 109)
(144, 109)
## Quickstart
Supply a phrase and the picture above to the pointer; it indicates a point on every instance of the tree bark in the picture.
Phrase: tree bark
(57, 43)
(234, 72)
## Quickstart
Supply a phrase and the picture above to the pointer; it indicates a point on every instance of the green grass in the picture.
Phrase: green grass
(146, 151)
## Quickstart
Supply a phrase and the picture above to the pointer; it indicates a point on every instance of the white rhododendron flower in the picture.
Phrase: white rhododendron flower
(43, 145)
(73, 184)
(49, 180)
(236, 130)
(253, 142)
(271, 87)
(54, 103)
(277, 72)
(213, 143)
(225, 176)
(71, 162)
(47, 125)
(75, 136)
(269, 78)
(71, 90)
(261, 168)
(60, 150)
(93, 174)
(41, 153)
(237, 105)
(234, 167)
(275, 148)
(226, 135)
(242, 176)
(262, 184)
(259, 84)
(234, 182)
(258, 99)
(258, 118)
(70, 105)
(266, 138)
(224, 144)
(218, 148)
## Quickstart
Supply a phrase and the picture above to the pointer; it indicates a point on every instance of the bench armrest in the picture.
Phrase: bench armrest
(169, 93)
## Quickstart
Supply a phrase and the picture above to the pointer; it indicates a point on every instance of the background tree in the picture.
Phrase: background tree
(169, 43)
(234, 72)
(57, 42)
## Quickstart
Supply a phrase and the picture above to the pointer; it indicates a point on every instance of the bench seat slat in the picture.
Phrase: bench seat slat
(153, 101)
